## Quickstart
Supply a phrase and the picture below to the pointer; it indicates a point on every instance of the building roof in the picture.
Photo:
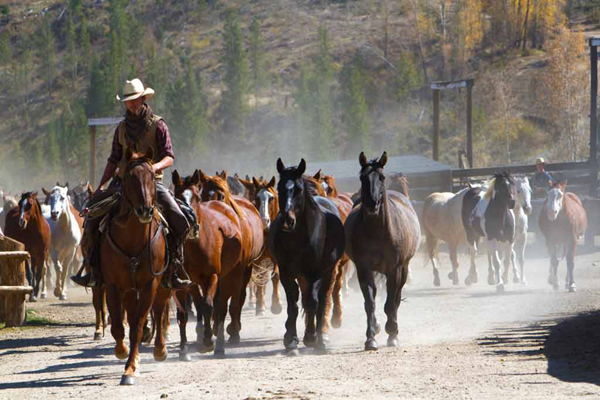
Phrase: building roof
(350, 168)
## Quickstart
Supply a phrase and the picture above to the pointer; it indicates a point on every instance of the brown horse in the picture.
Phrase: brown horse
(26, 224)
(563, 221)
(214, 261)
(253, 239)
(263, 195)
(382, 235)
(133, 257)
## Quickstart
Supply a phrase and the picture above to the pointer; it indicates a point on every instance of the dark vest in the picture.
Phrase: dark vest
(148, 140)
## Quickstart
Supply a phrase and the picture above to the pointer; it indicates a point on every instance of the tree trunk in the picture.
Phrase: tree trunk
(525, 28)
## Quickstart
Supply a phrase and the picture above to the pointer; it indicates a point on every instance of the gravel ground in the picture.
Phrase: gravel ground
(455, 342)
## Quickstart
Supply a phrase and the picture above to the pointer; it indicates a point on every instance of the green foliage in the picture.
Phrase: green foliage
(408, 77)
(5, 49)
(85, 48)
(257, 57)
(236, 78)
(354, 110)
(52, 150)
(97, 103)
(72, 57)
(5, 10)
(46, 51)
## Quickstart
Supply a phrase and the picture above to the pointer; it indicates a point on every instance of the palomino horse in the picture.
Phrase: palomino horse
(213, 261)
(522, 211)
(133, 258)
(67, 228)
(263, 195)
(563, 221)
(26, 224)
(489, 214)
(307, 240)
(382, 235)
(253, 241)
(442, 221)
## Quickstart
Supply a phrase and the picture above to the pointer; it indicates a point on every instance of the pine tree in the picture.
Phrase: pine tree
(85, 48)
(52, 149)
(95, 99)
(257, 58)
(72, 58)
(323, 110)
(233, 106)
(407, 78)
(46, 52)
(355, 112)
(5, 57)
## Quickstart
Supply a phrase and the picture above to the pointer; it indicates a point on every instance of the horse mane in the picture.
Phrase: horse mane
(313, 186)
(490, 188)
(402, 181)
(222, 185)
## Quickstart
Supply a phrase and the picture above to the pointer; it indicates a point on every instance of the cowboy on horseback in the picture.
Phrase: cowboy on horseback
(140, 130)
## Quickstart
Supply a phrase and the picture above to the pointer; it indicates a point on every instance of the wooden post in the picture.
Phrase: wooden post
(436, 124)
(13, 281)
(469, 122)
(593, 117)
(93, 155)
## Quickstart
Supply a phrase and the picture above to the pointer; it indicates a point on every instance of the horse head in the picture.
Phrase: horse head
(58, 201)
(372, 180)
(264, 197)
(523, 194)
(503, 189)
(187, 189)
(27, 204)
(215, 187)
(554, 202)
(291, 191)
(139, 184)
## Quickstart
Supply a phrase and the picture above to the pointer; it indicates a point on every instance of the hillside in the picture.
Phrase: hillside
(48, 88)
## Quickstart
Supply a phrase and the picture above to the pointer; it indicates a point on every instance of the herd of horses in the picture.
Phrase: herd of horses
(299, 228)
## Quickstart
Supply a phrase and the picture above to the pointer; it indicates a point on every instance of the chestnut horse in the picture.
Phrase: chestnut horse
(382, 235)
(133, 257)
(26, 224)
(563, 221)
(213, 261)
(253, 240)
(307, 240)
(264, 197)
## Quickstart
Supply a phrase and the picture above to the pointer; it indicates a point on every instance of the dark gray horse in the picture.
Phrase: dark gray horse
(307, 240)
(382, 235)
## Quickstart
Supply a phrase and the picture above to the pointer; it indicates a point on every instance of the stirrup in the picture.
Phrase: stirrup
(84, 280)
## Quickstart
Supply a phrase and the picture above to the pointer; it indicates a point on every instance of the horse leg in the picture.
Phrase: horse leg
(473, 276)
(276, 307)
(508, 252)
(66, 264)
(113, 300)
(58, 269)
(521, 257)
(492, 253)
(46, 279)
(323, 289)
(346, 284)
(223, 295)
(336, 318)
(454, 261)
(553, 276)
(182, 319)
(207, 303)
(431, 242)
(237, 302)
(39, 273)
(251, 296)
(369, 290)
(312, 303)
(395, 281)
(570, 281)
(159, 307)
(98, 301)
(292, 292)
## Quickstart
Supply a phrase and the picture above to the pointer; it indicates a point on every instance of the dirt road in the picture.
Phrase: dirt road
(456, 342)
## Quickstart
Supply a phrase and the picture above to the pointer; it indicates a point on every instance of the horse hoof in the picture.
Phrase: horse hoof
(467, 281)
(371, 345)
(43, 296)
(336, 322)
(392, 341)
(234, 339)
(491, 280)
(57, 292)
(62, 297)
(572, 288)
(436, 281)
(98, 336)
(260, 313)
(310, 341)
(202, 349)
(127, 380)
(324, 339)
(292, 352)
(32, 299)
(250, 306)
(146, 335)
(123, 355)
(555, 286)
(276, 309)
(219, 353)
(161, 357)
(185, 357)
(377, 328)
(500, 288)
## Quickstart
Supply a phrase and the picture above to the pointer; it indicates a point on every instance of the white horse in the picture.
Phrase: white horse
(522, 210)
(66, 236)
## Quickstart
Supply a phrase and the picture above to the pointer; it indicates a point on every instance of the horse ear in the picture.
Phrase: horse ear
(280, 166)
(317, 176)
(261, 178)
(149, 153)
(249, 185)
(128, 154)
(302, 167)
(256, 182)
(247, 177)
(34, 195)
(203, 176)
(196, 178)
(236, 175)
(362, 159)
(272, 182)
(90, 190)
(562, 184)
(47, 193)
(176, 178)
(383, 160)
(67, 185)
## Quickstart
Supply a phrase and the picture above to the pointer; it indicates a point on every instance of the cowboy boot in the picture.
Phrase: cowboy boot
(93, 278)
(174, 280)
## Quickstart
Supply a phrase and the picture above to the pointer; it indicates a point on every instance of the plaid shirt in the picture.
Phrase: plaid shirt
(163, 144)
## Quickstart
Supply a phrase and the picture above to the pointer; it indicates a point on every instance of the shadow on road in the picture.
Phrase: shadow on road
(570, 344)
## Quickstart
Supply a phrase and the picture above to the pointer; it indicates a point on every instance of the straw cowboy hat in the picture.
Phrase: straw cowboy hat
(134, 89)
(540, 160)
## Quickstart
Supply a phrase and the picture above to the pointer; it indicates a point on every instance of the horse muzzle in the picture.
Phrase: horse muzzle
(527, 210)
(266, 222)
(289, 223)
(144, 214)
(54, 216)
(22, 223)
(552, 215)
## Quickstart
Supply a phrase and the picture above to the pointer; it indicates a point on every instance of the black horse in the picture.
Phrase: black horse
(382, 235)
(307, 241)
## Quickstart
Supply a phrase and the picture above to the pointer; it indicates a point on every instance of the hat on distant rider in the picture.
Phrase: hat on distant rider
(540, 160)
(134, 89)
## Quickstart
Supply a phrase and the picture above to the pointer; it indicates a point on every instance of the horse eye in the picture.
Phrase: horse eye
(382, 178)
